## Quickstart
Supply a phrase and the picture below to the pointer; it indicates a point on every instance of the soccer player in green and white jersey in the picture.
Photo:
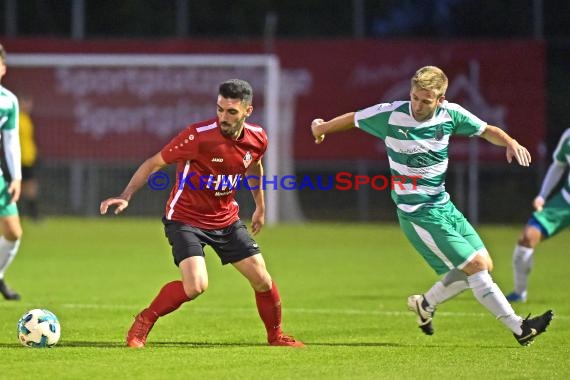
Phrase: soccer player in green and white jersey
(417, 135)
(552, 215)
(9, 192)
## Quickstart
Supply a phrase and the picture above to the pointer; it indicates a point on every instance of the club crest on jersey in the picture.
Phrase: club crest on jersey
(247, 159)
(439, 133)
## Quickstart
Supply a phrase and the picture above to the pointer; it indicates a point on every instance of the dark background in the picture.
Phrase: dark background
(547, 21)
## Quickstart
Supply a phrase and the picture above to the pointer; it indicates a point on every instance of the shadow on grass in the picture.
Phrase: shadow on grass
(356, 344)
(71, 344)
(149, 345)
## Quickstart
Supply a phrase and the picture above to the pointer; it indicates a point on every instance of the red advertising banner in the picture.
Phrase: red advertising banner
(128, 112)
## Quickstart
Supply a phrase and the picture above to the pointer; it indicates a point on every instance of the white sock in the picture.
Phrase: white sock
(8, 250)
(453, 283)
(522, 264)
(489, 295)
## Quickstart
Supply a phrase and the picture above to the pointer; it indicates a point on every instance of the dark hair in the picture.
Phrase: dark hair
(237, 89)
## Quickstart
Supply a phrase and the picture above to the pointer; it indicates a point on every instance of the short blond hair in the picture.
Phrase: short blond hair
(430, 78)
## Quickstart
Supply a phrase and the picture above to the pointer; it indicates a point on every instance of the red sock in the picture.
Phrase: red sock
(269, 308)
(170, 297)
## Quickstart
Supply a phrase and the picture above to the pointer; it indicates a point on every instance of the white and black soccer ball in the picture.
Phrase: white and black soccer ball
(39, 328)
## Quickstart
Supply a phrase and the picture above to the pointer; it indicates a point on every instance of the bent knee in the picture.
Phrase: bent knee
(262, 283)
(530, 237)
(490, 264)
(527, 241)
(194, 289)
(13, 234)
(479, 263)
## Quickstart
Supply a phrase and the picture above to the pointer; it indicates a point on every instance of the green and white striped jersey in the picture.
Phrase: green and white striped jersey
(418, 148)
(8, 109)
(9, 119)
(562, 156)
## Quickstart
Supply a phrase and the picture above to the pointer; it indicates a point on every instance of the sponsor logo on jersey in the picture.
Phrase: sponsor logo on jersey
(247, 159)
(439, 133)
(217, 159)
(220, 182)
(421, 160)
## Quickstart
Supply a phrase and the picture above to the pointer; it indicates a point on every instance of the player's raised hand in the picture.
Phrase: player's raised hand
(109, 202)
(519, 152)
(319, 137)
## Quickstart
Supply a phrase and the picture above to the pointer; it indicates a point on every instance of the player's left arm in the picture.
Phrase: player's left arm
(553, 176)
(499, 137)
(254, 176)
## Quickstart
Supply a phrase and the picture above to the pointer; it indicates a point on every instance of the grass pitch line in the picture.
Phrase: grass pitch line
(390, 313)
(247, 310)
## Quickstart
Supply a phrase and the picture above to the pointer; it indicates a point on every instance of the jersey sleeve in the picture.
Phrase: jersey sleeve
(562, 150)
(264, 144)
(182, 147)
(465, 123)
(9, 124)
(374, 119)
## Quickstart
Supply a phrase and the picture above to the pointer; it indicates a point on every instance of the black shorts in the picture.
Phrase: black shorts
(232, 244)
(28, 172)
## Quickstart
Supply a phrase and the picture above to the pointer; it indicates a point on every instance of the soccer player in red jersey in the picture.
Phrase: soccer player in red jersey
(212, 156)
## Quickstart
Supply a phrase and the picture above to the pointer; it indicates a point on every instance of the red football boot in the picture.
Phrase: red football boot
(136, 337)
(285, 340)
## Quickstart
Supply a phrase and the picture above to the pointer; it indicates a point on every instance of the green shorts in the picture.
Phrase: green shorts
(6, 208)
(555, 215)
(442, 235)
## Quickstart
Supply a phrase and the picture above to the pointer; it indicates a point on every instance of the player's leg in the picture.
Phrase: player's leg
(187, 249)
(425, 232)
(267, 299)
(30, 191)
(488, 293)
(241, 250)
(452, 284)
(553, 218)
(425, 305)
(173, 294)
(477, 267)
(31, 197)
(10, 239)
(451, 242)
(531, 235)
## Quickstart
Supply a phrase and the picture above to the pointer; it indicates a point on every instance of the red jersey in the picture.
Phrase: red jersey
(209, 168)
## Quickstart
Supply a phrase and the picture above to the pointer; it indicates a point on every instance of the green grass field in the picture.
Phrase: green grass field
(344, 290)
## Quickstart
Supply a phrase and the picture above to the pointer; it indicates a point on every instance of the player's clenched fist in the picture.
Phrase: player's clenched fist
(319, 137)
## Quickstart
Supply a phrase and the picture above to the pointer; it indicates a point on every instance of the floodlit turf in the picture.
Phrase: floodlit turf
(344, 290)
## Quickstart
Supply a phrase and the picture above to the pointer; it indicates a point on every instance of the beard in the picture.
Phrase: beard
(230, 130)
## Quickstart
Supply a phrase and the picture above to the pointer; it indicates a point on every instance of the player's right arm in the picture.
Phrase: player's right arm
(151, 165)
(321, 128)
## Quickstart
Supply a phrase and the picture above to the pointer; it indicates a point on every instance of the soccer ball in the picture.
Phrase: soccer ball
(39, 328)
